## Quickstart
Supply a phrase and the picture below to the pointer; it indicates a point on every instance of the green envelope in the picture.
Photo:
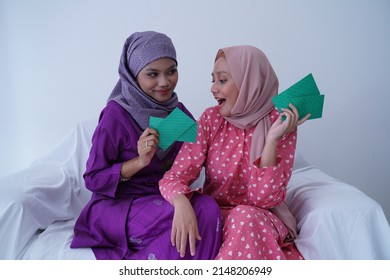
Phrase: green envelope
(304, 95)
(177, 126)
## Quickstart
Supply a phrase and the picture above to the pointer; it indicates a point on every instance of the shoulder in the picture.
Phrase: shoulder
(113, 110)
(114, 113)
(114, 118)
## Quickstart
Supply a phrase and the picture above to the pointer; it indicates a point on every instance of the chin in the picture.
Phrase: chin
(223, 113)
(162, 100)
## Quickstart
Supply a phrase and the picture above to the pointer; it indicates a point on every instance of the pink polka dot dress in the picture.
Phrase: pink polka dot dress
(243, 191)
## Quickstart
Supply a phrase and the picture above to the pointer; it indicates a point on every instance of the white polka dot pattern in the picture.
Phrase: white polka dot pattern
(242, 189)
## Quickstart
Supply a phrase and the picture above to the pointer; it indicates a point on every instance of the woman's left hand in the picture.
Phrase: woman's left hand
(280, 127)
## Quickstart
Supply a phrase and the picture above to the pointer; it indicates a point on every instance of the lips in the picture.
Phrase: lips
(164, 92)
(220, 101)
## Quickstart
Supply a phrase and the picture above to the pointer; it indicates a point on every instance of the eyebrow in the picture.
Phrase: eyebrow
(219, 72)
(169, 68)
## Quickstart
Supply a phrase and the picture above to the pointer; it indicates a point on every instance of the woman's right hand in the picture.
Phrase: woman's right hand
(292, 121)
(147, 145)
(184, 226)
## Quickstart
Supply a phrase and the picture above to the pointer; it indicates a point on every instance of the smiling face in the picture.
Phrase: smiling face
(158, 79)
(223, 88)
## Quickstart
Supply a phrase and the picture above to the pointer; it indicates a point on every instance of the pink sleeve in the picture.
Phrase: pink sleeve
(187, 166)
(267, 186)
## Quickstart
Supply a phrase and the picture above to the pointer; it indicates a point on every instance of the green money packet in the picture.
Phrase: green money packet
(304, 95)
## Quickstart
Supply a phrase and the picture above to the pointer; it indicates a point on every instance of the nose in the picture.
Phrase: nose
(214, 88)
(163, 81)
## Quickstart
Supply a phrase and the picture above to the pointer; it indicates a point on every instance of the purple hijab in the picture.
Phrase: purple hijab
(140, 49)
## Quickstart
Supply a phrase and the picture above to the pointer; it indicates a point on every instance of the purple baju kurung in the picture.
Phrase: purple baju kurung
(130, 219)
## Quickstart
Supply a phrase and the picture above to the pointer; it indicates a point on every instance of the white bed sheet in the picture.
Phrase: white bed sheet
(39, 206)
(336, 220)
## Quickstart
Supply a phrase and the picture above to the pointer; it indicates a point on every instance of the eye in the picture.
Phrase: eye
(152, 74)
(172, 72)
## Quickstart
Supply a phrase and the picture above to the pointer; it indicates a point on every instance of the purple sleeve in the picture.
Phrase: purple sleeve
(103, 167)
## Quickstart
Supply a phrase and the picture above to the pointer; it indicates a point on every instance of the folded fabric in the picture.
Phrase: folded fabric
(304, 95)
(177, 126)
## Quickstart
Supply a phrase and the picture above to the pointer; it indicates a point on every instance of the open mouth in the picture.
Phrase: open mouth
(221, 101)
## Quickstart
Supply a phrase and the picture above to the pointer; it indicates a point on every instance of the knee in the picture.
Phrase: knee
(243, 217)
(242, 212)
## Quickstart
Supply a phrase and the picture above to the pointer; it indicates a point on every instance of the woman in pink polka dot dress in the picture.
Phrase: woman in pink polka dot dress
(247, 150)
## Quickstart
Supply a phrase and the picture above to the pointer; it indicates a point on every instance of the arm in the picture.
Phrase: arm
(174, 187)
(102, 172)
(269, 158)
(146, 146)
(184, 225)
(114, 137)
(269, 180)
(267, 185)
(276, 132)
(187, 165)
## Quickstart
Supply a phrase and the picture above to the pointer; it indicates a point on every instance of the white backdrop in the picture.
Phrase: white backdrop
(59, 59)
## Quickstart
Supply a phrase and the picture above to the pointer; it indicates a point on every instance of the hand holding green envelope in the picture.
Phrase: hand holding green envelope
(304, 95)
(177, 126)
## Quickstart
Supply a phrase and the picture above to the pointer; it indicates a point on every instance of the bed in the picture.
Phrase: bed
(40, 204)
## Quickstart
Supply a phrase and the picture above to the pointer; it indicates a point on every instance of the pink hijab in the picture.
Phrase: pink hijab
(257, 84)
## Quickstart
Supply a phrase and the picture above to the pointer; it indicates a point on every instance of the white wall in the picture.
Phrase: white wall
(59, 59)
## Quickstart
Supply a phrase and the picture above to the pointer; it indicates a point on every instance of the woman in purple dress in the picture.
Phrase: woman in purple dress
(127, 218)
